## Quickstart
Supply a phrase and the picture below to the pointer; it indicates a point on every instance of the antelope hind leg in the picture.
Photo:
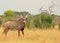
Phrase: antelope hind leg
(5, 31)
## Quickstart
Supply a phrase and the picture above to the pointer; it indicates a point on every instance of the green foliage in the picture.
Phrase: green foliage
(0, 22)
(59, 26)
(28, 24)
(36, 22)
(46, 21)
(23, 13)
(42, 21)
(9, 14)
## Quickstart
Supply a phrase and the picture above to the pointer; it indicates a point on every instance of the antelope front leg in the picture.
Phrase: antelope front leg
(18, 32)
(23, 32)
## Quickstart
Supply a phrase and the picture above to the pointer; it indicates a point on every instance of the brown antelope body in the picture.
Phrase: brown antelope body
(18, 25)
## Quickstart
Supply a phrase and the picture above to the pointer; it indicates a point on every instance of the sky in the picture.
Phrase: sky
(31, 6)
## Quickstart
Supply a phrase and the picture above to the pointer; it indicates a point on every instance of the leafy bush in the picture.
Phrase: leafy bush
(36, 23)
(0, 22)
(46, 21)
(59, 26)
(9, 14)
(28, 24)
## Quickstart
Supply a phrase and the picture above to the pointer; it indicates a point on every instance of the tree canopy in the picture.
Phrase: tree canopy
(9, 14)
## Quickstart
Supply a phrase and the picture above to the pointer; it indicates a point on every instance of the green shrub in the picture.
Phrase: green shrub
(46, 21)
(59, 26)
(28, 24)
(36, 23)
(0, 22)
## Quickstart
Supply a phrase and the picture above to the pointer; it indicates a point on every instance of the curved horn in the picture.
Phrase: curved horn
(26, 16)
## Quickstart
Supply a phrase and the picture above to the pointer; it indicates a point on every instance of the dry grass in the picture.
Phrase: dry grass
(31, 36)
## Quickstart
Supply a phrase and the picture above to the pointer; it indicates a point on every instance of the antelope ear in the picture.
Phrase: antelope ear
(26, 16)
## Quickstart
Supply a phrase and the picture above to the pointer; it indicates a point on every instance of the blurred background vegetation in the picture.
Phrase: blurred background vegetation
(43, 20)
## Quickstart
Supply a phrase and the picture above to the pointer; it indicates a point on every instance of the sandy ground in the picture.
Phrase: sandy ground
(31, 36)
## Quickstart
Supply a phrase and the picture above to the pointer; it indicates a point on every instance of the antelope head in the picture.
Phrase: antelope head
(24, 18)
